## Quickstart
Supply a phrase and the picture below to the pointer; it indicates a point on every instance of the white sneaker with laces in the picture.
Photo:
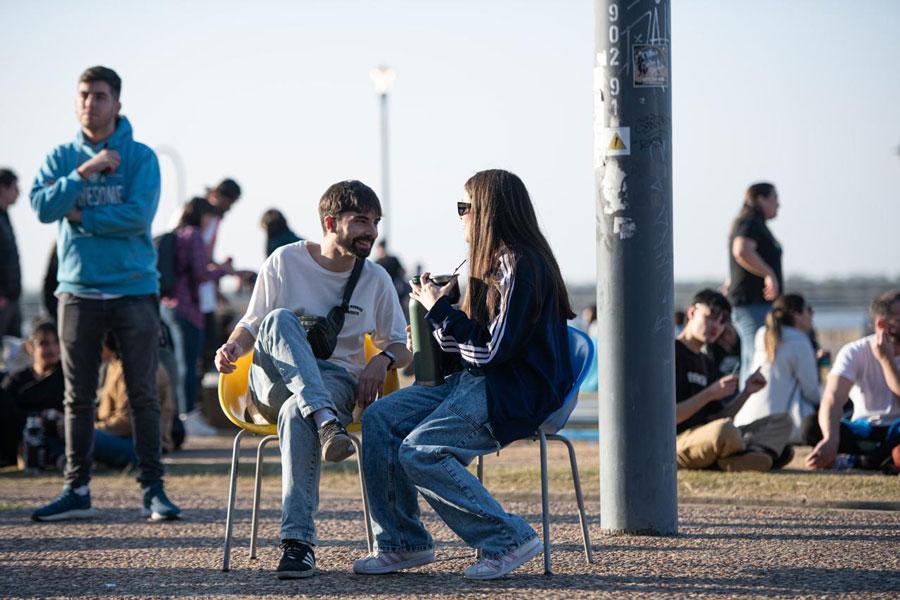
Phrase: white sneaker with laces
(498, 566)
(196, 425)
(379, 563)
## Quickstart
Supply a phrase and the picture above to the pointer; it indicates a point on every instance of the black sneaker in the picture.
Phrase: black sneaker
(335, 442)
(786, 456)
(297, 561)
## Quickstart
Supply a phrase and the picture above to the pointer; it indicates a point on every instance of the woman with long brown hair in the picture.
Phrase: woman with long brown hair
(784, 352)
(755, 264)
(511, 337)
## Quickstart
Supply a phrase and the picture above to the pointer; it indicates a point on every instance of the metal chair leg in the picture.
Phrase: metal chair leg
(232, 490)
(545, 502)
(254, 521)
(370, 537)
(479, 470)
(579, 497)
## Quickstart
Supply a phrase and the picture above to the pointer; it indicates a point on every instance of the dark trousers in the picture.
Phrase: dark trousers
(134, 321)
(191, 345)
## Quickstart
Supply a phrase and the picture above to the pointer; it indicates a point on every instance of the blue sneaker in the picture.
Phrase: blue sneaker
(157, 506)
(67, 505)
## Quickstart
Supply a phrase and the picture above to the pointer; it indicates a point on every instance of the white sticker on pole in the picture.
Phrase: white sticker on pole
(617, 141)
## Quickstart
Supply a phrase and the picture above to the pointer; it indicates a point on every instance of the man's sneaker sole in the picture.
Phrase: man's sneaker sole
(79, 513)
(154, 516)
(532, 548)
(295, 574)
(339, 448)
(418, 560)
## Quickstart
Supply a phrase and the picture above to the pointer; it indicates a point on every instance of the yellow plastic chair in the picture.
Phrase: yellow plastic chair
(234, 395)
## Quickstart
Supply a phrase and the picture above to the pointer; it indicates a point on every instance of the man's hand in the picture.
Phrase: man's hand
(106, 161)
(722, 388)
(371, 381)
(74, 215)
(755, 382)
(884, 345)
(427, 292)
(226, 355)
(823, 455)
(770, 287)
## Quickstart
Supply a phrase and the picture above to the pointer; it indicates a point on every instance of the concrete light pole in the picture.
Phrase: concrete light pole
(635, 289)
(383, 77)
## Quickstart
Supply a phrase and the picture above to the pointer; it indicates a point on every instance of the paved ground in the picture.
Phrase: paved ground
(721, 551)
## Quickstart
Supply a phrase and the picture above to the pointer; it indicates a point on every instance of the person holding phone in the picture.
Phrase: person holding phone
(511, 336)
(706, 436)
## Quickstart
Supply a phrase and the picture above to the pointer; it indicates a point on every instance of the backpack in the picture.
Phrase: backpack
(165, 262)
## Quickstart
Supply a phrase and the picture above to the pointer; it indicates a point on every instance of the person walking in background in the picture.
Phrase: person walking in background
(182, 307)
(102, 191)
(511, 336)
(755, 266)
(278, 233)
(222, 197)
(785, 355)
(10, 273)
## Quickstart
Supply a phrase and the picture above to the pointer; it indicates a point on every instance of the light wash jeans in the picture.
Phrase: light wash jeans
(290, 384)
(747, 320)
(422, 438)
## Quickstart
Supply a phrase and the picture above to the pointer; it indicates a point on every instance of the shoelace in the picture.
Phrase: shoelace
(293, 550)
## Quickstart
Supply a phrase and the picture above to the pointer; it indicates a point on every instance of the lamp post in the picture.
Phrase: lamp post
(383, 77)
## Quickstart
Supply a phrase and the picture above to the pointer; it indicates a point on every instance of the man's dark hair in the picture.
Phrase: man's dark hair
(881, 306)
(717, 303)
(229, 188)
(43, 327)
(348, 196)
(106, 74)
(193, 212)
(8, 177)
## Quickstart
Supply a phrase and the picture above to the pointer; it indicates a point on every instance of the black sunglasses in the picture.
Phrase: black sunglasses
(463, 208)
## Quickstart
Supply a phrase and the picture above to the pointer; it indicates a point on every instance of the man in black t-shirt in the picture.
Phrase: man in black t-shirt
(706, 403)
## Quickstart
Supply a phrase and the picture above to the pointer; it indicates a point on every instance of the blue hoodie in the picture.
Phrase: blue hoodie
(111, 251)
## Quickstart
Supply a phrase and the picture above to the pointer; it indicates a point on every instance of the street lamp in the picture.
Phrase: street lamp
(383, 77)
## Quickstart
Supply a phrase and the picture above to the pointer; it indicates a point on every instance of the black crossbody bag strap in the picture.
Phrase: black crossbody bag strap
(351, 283)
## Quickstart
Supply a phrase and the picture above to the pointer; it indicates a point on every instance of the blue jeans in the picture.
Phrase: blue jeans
(421, 439)
(191, 344)
(290, 384)
(114, 450)
(747, 320)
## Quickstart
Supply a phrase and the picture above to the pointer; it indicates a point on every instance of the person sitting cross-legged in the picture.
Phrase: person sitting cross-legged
(706, 403)
(307, 389)
(867, 373)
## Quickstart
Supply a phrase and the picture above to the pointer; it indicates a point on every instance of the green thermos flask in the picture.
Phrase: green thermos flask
(424, 358)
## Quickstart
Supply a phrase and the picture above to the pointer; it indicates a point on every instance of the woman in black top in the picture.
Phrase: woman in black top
(755, 265)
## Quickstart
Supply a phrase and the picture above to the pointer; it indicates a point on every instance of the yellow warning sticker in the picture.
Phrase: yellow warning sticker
(617, 141)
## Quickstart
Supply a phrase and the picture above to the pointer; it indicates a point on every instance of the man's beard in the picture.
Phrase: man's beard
(353, 245)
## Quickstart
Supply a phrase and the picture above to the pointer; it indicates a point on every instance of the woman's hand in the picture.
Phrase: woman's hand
(428, 292)
(770, 288)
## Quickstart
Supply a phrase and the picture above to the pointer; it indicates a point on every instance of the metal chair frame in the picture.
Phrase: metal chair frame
(542, 438)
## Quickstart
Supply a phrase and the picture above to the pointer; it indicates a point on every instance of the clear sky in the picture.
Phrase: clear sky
(804, 93)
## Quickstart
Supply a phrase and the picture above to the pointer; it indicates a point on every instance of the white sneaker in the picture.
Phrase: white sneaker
(498, 566)
(196, 425)
(379, 563)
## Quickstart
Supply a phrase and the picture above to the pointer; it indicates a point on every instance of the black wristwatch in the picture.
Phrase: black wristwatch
(390, 356)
